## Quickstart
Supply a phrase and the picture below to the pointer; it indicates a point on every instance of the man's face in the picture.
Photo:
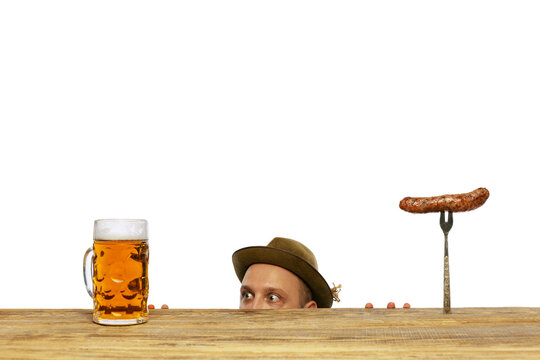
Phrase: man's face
(271, 287)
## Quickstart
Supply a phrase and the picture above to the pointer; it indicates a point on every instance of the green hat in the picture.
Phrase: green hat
(291, 255)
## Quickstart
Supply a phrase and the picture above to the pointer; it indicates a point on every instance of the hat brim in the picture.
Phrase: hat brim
(245, 257)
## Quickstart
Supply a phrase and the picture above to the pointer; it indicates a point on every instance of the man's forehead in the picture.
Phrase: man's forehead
(267, 273)
(269, 268)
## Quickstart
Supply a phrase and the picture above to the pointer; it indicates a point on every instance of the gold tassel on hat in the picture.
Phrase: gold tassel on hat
(335, 292)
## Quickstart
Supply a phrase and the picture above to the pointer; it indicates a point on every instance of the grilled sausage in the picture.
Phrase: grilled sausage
(454, 203)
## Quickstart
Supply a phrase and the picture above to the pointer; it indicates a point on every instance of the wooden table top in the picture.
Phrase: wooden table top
(471, 333)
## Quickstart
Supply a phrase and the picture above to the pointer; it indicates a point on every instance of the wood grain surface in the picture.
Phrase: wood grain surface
(470, 333)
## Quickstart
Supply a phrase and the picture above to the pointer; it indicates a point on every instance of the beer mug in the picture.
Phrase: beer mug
(116, 273)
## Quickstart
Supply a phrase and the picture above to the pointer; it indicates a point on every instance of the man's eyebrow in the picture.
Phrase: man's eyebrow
(269, 289)
(245, 288)
(282, 293)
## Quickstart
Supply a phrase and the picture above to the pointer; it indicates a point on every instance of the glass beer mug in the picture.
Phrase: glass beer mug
(116, 273)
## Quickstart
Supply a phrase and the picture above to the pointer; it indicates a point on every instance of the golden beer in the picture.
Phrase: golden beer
(120, 280)
(116, 277)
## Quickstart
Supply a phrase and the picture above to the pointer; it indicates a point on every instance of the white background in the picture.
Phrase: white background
(226, 123)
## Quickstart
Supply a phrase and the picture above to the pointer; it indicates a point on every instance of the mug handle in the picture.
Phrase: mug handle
(88, 271)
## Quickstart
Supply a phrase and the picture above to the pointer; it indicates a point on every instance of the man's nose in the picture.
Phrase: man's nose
(258, 303)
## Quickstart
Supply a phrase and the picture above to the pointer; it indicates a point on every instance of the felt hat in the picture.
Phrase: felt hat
(291, 255)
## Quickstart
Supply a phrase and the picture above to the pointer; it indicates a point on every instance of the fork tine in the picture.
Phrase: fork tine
(446, 225)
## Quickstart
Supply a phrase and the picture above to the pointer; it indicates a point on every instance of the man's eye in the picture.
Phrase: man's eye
(247, 296)
(273, 298)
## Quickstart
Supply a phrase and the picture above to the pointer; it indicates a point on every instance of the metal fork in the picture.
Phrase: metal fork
(446, 226)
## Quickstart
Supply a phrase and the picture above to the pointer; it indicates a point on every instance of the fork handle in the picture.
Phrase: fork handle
(446, 303)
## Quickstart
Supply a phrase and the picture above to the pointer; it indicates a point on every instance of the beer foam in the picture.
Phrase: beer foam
(120, 229)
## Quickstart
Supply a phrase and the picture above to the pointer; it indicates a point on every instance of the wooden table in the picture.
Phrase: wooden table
(471, 333)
